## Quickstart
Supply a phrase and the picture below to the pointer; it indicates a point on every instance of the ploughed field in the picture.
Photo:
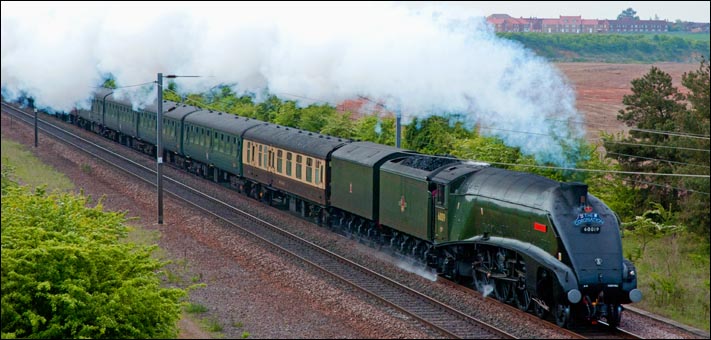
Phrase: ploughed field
(599, 89)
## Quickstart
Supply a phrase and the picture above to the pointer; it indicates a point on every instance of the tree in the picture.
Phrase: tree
(314, 117)
(66, 273)
(654, 105)
(669, 138)
(696, 122)
(375, 129)
(434, 135)
(628, 14)
(171, 93)
(339, 125)
(109, 83)
(287, 114)
(652, 225)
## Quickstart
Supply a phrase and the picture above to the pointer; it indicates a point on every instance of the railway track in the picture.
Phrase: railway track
(439, 316)
(598, 331)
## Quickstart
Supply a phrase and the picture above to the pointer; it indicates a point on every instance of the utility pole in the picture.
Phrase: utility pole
(159, 147)
(31, 101)
(398, 117)
(35, 127)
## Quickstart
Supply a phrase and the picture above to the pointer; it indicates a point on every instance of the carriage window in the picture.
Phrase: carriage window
(288, 163)
(249, 152)
(318, 172)
(309, 168)
(265, 156)
(279, 160)
(298, 166)
(259, 155)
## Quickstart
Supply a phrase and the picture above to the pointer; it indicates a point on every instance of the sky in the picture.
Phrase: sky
(695, 11)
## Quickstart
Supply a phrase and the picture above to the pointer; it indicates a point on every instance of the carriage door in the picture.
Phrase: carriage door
(440, 213)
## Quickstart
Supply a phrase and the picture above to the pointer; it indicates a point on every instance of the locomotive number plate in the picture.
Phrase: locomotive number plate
(590, 229)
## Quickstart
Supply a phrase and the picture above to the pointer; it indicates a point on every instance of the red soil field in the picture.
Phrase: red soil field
(599, 88)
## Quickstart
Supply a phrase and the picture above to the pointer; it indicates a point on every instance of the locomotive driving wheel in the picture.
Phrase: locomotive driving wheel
(522, 298)
(503, 290)
(482, 281)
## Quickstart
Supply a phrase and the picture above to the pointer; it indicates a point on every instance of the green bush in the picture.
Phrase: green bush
(67, 274)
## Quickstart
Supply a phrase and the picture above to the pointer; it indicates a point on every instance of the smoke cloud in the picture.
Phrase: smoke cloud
(420, 61)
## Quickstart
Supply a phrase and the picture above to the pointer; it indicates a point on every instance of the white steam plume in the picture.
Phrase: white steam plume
(419, 61)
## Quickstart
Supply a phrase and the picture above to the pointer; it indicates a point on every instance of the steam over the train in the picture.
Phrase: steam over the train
(544, 246)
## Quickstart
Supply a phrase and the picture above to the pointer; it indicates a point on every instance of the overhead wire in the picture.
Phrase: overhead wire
(667, 186)
(122, 87)
(659, 146)
(675, 133)
(658, 159)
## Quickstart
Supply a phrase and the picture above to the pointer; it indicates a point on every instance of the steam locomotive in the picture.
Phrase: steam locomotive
(547, 247)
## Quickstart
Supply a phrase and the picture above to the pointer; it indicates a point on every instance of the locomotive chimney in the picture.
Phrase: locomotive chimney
(575, 193)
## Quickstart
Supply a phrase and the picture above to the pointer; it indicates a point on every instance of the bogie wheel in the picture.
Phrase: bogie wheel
(562, 315)
(614, 315)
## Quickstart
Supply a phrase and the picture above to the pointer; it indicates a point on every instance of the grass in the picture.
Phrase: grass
(28, 170)
(212, 325)
(195, 308)
(673, 274)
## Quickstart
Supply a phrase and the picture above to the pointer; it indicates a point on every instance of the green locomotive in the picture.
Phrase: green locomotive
(541, 245)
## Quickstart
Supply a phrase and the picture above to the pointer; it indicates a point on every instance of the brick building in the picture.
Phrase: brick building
(575, 25)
